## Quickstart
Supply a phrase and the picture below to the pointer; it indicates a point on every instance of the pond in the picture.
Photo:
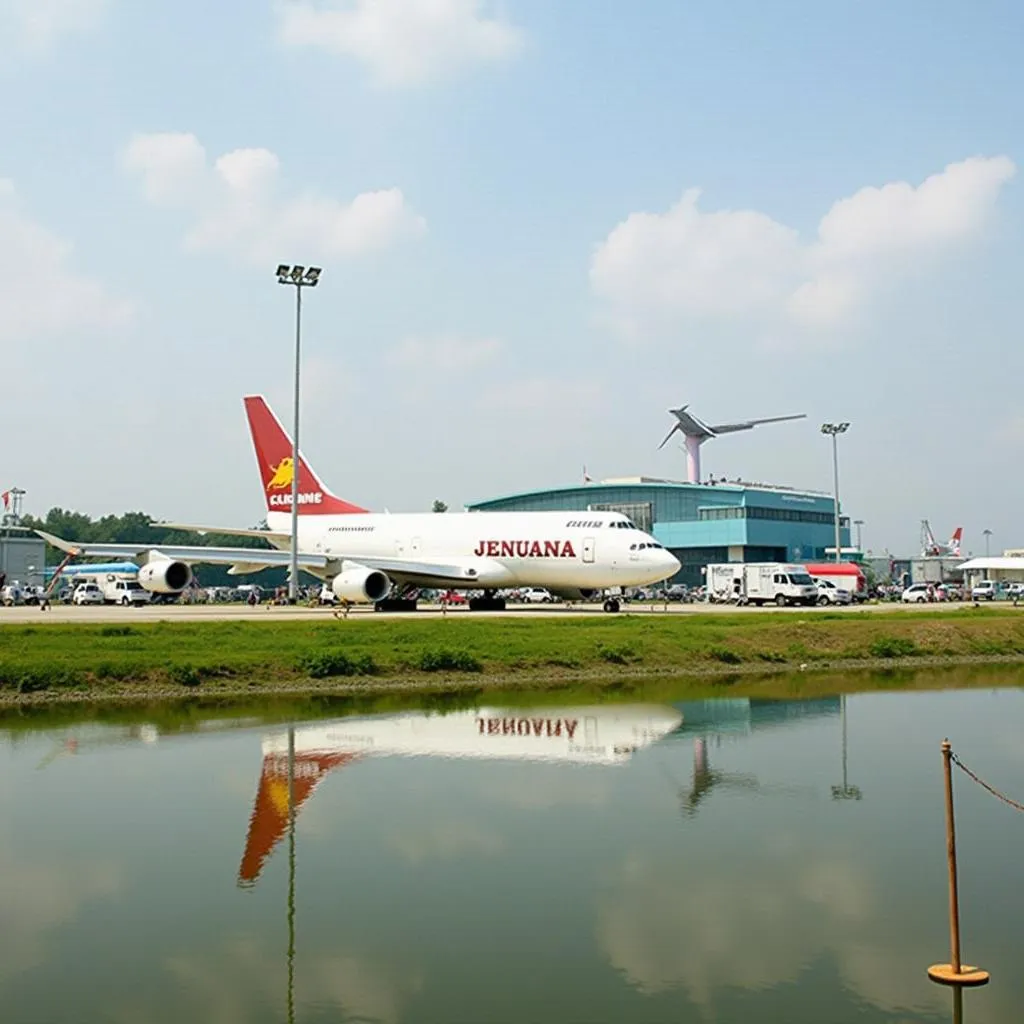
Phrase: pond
(730, 861)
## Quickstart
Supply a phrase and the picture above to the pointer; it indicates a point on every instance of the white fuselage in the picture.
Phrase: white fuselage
(588, 550)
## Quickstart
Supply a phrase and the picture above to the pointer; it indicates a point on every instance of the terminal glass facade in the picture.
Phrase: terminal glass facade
(704, 523)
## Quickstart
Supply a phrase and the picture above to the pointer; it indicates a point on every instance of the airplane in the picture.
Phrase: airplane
(696, 432)
(931, 548)
(95, 569)
(365, 555)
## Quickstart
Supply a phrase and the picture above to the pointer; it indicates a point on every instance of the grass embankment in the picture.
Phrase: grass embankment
(220, 658)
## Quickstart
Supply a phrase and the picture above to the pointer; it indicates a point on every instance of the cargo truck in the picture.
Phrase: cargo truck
(759, 583)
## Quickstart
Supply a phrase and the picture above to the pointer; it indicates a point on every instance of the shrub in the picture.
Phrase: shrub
(621, 655)
(724, 655)
(32, 680)
(185, 674)
(893, 647)
(108, 670)
(322, 664)
(445, 660)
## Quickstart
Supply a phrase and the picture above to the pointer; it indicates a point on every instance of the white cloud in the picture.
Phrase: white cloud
(444, 353)
(403, 42)
(33, 25)
(237, 205)
(662, 269)
(40, 294)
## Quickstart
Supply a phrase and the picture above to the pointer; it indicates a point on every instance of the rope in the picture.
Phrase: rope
(984, 785)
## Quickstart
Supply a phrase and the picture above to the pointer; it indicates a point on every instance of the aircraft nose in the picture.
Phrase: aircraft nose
(672, 564)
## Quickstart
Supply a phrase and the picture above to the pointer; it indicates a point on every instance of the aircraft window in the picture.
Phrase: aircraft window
(632, 547)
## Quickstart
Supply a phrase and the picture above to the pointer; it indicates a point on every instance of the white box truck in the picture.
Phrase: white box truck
(123, 590)
(761, 583)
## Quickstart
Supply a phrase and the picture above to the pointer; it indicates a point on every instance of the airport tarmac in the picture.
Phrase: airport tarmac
(267, 612)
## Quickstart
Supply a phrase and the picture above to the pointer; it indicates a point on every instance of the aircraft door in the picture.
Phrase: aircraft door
(588, 549)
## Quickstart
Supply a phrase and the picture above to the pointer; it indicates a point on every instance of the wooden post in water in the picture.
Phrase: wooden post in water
(953, 973)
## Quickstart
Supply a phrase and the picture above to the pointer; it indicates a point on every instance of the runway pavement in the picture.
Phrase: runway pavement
(277, 613)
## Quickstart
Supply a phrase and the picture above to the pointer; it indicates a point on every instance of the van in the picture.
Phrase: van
(125, 592)
(761, 583)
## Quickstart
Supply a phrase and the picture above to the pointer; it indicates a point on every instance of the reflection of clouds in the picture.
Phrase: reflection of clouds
(707, 928)
(38, 896)
(588, 787)
(235, 983)
(444, 840)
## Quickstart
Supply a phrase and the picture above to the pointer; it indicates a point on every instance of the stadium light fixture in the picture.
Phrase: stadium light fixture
(298, 277)
(833, 430)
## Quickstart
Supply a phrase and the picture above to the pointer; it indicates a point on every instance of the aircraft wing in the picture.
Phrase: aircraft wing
(258, 558)
(407, 570)
(228, 531)
(731, 428)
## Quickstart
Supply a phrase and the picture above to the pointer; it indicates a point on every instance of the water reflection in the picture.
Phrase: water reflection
(509, 864)
(297, 760)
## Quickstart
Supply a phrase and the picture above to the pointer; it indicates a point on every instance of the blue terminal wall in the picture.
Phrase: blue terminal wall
(703, 523)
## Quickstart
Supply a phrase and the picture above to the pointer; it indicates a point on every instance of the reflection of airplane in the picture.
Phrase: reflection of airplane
(696, 432)
(572, 553)
(302, 757)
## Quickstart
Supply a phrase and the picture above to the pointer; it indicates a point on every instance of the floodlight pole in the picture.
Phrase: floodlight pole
(299, 278)
(293, 577)
(834, 430)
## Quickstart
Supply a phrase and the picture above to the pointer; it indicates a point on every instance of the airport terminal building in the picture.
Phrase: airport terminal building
(703, 523)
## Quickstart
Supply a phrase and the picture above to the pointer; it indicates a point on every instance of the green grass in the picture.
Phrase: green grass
(231, 656)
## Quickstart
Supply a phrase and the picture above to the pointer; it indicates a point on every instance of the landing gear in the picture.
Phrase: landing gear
(487, 604)
(611, 604)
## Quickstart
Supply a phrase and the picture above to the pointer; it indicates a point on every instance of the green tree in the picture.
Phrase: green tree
(439, 506)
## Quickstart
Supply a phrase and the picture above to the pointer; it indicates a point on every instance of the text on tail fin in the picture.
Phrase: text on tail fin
(274, 457)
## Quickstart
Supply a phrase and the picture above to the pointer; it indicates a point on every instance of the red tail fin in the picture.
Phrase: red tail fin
(954, 542)
(274, 458)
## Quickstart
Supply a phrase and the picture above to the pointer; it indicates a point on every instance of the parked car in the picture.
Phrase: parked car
(984, 589)
(829, 593)
(453, 597)
(87, 593)
(535, 595)
(916, 593)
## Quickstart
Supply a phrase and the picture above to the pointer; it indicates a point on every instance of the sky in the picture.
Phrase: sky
(541, 226)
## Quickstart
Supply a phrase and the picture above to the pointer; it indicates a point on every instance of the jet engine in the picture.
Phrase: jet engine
(165, 576)
(361, 585)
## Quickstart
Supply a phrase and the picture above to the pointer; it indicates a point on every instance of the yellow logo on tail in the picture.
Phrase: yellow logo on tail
(283, 475)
